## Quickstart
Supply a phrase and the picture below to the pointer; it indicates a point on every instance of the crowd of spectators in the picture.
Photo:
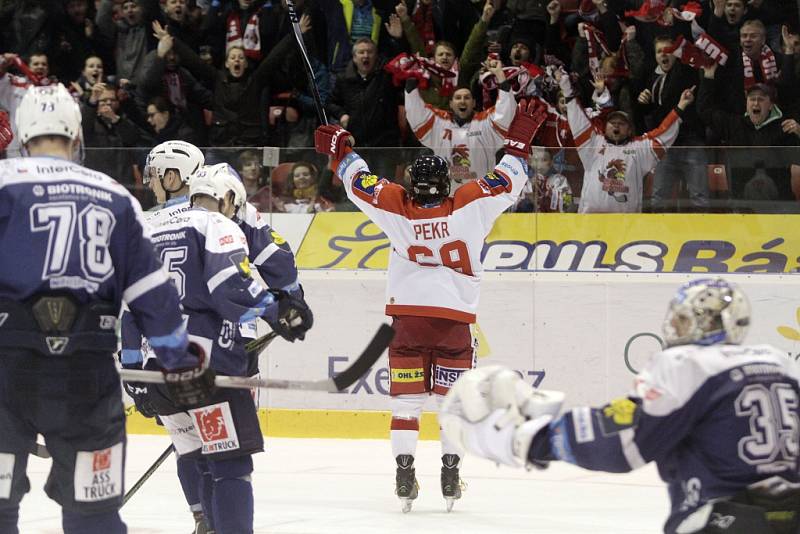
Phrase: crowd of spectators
(653, 105)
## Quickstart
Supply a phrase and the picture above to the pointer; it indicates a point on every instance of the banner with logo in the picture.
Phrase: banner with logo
(585, 243)
(585, 334)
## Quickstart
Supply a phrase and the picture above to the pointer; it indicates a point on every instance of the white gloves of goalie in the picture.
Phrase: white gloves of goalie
(491, 412)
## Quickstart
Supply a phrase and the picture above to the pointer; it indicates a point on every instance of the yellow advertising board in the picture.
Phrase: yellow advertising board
(585, 243)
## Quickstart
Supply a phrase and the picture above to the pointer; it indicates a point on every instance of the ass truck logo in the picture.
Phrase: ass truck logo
(211, 424)
(101, 460)
(215, 425)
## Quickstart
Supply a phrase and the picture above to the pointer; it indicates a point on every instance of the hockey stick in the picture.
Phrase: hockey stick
(380, 341)
(147, 474)
(259, 344)
(40, 450)
(312, 84)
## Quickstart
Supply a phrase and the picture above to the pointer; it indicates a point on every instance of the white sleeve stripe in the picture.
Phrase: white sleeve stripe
(630, 449)
(265, 254)
(144, 284)
(220, 277)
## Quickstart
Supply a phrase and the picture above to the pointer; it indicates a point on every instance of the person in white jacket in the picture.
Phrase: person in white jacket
(614, 161)
(467, 139)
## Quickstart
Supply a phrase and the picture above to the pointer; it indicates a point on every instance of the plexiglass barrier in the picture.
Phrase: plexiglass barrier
(697, 209)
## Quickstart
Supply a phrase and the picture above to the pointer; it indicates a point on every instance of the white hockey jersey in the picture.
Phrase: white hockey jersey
(614, 174)
(470, 148)
(435, 264)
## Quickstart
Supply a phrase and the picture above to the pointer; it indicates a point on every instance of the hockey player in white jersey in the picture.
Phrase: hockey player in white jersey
(206, 253)
(720, 420)
(434, 275)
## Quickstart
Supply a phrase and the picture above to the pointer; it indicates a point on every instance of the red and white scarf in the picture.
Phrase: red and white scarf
(250, 39)
(703, 52)
(520, 78)
(768, 64)
(655, 10)
(597, 48)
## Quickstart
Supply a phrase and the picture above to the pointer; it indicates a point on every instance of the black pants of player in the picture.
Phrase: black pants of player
(778, 517)
(75, 402)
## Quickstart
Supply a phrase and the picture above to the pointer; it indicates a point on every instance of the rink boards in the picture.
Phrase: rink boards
(583, 333)
(582, 325)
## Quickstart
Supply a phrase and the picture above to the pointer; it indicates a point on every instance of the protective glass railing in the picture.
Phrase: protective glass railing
(686, 180)
(696, 209)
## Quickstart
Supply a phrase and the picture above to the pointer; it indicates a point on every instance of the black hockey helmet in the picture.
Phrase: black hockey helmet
(430, 179)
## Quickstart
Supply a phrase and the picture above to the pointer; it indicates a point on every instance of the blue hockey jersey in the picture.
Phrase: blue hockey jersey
(68, 229)
(714, 418)
(268, 251)
(206, 255)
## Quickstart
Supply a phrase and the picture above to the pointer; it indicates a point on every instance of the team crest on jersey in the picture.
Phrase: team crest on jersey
(366, 183)
(613, 179)
(242, 264)
(495, 182)
(277, 238)
(215, 426)
(618, 415)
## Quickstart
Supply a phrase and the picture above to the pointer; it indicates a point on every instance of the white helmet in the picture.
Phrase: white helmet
(48, 110)
(705, 312)
(180, 155)
(216, 181)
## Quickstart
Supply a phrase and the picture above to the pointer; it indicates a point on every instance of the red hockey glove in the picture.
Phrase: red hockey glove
(529, 118)
(193, 386)
(332, 141)
(6, 135)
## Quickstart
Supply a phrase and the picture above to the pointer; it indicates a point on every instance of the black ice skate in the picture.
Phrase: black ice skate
(451, 482)
(200, 526)
(406, 487)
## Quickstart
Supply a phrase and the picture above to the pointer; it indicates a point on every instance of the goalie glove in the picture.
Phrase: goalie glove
(194, 386)
(332, 141)
(527, 120)
(499, 437)
(491, 412)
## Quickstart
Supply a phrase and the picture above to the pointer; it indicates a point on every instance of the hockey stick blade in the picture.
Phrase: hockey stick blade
(380, 341)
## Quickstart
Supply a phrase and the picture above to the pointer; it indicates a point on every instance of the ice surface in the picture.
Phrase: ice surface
(331, 486)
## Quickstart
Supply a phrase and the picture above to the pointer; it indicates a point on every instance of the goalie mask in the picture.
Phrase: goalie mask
(705, 312)
(430, 179)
